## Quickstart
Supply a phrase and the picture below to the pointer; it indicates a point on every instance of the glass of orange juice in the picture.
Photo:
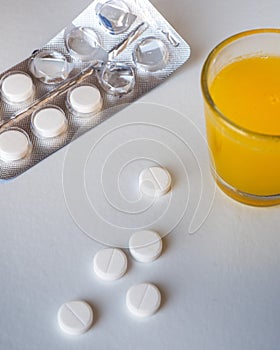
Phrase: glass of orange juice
(241, 89)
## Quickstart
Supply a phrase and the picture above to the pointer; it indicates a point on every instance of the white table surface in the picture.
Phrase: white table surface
(219, 273)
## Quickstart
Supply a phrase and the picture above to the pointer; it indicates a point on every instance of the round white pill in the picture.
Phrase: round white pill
(85, 99)
(155, 182)
(49, 122)
(17, 87)
(143, 300)
(110, 264)
(14, 145)
(145, 246)
(75, 317)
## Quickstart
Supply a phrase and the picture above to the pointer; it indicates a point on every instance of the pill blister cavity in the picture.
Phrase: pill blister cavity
(49, 122)
(17, 88)
(117, 78)
(84, 100)
(14, 145)
(50, 67)
(84, 44)
(151, 54)
(115, 16)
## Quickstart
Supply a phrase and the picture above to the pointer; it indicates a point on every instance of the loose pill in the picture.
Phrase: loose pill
(143, 300)
(17, 87)
(49, 122)
(14, 145)
(145, 246)
(155, 182)
(110, 264)
(85, 99)
(75, 317)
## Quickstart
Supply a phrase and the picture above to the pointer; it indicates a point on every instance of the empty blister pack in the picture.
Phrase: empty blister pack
(112, 53)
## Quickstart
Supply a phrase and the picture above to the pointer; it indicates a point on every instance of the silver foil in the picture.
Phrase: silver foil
(119, 48)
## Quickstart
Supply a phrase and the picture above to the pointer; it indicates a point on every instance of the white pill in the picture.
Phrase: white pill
(75, 317)
(110, 264)
(49, 122)
(145, 246)
(143, 300)
(17, 87)
(155, 182)
(85, 99)
(14, 145)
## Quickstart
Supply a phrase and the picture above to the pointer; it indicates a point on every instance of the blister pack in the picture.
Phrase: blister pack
(112, 53)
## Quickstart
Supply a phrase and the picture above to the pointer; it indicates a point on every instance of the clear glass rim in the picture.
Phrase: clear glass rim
(205, 88)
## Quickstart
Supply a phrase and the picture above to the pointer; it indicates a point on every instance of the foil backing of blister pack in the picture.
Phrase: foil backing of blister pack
(120, 48)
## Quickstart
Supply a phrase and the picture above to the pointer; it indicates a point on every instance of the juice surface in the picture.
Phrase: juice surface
(247, 92)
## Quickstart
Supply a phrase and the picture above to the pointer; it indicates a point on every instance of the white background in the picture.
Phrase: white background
(221, 284)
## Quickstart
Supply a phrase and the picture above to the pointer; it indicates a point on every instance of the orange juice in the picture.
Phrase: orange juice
(245, 145)
(247, 91)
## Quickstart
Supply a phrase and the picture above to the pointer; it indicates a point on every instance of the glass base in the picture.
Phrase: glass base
(246, 198)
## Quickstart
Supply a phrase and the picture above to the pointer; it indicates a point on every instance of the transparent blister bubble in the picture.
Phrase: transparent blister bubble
(117, 78)
(50, 67)
(151, 54)
(84, 44)
(115, 16)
